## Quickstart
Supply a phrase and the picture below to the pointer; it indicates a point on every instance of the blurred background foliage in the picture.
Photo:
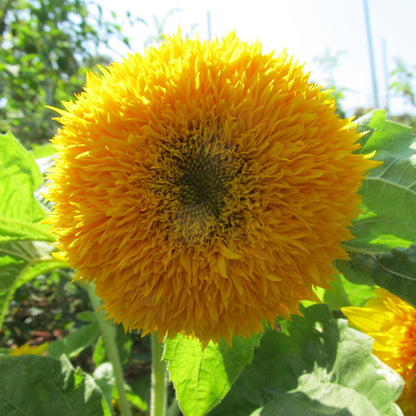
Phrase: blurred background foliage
(46, 46)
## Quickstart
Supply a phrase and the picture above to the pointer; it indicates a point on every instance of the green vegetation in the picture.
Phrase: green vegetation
(46, 46)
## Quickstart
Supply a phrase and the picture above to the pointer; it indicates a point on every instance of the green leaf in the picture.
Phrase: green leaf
(37, 385)
(345, 293)
(202, 377)
(134, 399)
(20, 262)
(44, 150)
(104, 377)
(389, 206)
(20, 177)
(75, 342)
(86, 316)
(99, 355)
(315, 366)
(395, 270)
(300, 404)
(389, 191)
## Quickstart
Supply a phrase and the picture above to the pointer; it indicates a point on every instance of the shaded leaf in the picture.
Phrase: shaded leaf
(304, 369)
(37, 385)
(395, 270)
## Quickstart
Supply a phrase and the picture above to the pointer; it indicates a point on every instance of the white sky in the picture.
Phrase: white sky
(307, 28)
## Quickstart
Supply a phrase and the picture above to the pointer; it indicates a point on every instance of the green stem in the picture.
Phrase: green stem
(159, 379)
(108, 332)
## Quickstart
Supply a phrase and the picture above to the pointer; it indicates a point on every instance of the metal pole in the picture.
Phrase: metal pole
(209, 24)
(386, 74)
(371, 54)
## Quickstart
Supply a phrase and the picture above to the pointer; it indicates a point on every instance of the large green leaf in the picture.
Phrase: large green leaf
(315, 366)
(43, 386)
(389, 191)
(20, 177)
(20, 262)
(395, 270)
(202, 377)
(23, 255)
(389, 206)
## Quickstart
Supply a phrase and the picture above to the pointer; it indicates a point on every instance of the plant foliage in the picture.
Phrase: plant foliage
(46, 46)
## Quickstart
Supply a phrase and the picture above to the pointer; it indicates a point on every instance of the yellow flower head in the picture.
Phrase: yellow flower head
(204, 187)
(392, 323)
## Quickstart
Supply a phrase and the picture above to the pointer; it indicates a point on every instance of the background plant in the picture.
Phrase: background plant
(46, 46)
(327, 63)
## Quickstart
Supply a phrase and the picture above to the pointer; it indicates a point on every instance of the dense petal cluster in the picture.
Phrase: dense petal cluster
(204, 187)
(392, 323)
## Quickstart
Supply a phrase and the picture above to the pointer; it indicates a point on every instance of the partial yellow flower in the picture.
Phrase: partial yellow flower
(30, 349)
(204, 187)
(392, 323)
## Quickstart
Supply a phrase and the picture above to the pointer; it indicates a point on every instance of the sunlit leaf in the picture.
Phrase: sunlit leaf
(345, 293)
(202, 377)
(44, 150)
(20, 177)
(389, 191)
(23, 253)
(389, 206)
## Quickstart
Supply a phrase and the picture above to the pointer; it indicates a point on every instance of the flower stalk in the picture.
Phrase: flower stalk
(159, 379)
(108, 332)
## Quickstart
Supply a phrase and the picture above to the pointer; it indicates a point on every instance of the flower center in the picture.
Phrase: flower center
(202, 183)
(202, 189)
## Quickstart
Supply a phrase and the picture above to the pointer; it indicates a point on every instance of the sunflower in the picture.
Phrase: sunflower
(392, 323)
(204, 187)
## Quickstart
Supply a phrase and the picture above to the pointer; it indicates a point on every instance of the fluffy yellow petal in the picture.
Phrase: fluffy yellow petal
(204, 187)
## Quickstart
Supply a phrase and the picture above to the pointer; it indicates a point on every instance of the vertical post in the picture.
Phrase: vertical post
(386, 74)
(209, 24)
(371, 54)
